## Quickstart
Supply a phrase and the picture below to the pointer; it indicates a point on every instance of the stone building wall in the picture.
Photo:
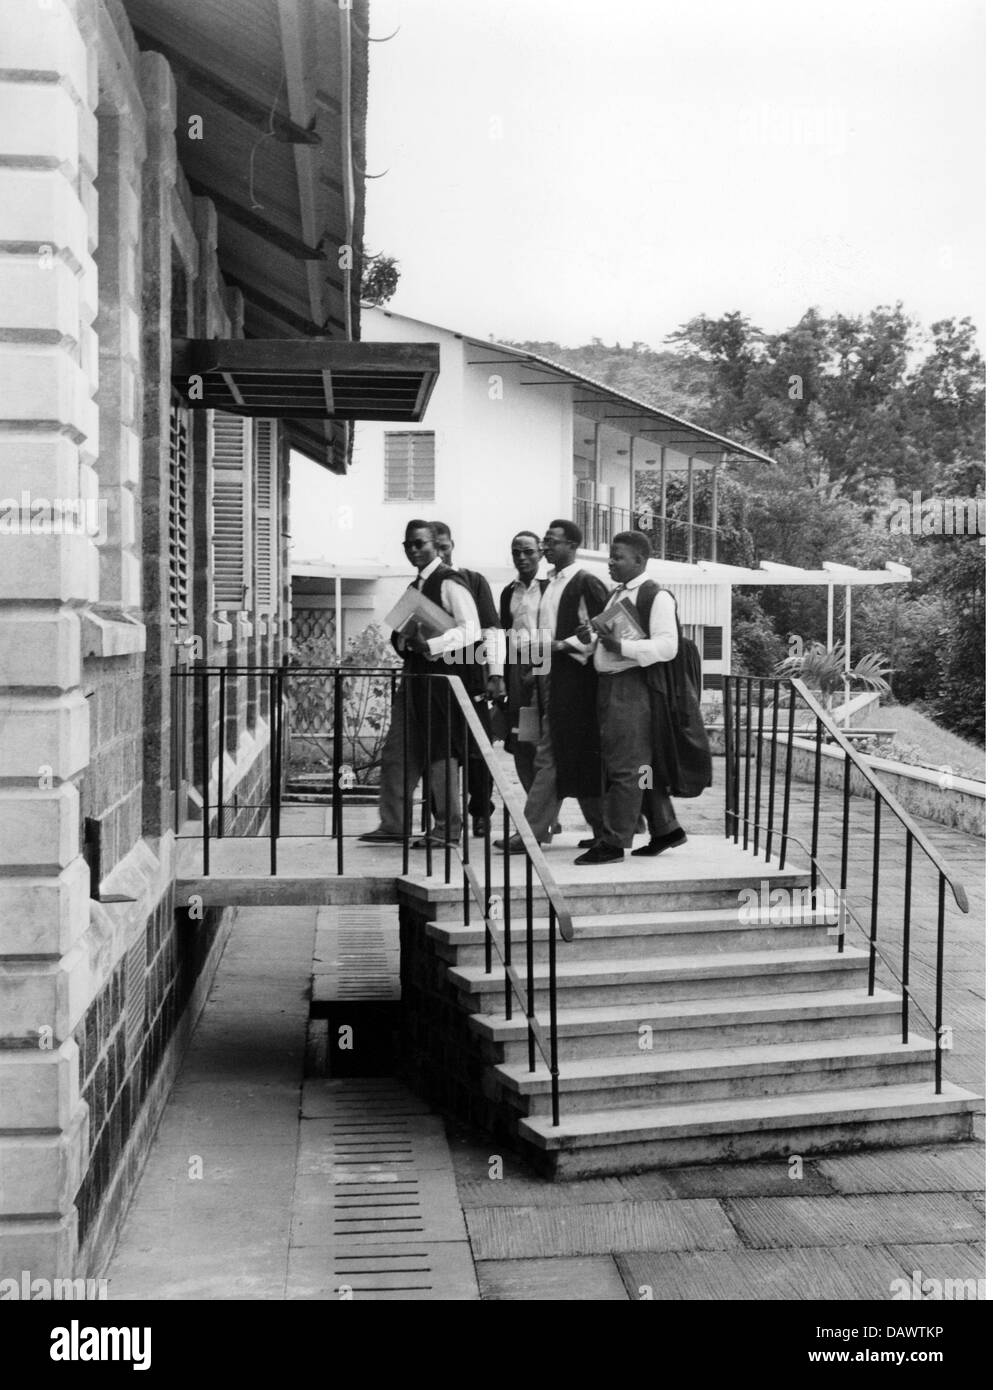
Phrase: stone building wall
(98, 997)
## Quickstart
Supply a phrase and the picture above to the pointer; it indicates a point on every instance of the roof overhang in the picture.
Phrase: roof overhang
(302, 380)
(603, 405)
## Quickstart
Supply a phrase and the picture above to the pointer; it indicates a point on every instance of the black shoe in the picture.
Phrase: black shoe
(658, 843)
(601, 854)
(587, 844)
(479, 824)
(381, 837)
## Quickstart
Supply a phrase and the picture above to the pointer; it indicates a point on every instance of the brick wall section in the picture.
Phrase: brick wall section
(49, 445)
(111, 785)
(440, 1057)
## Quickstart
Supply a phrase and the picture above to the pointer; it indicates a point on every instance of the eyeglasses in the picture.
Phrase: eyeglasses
(415, 545)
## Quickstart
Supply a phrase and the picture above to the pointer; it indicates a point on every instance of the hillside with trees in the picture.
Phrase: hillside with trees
(864, 416)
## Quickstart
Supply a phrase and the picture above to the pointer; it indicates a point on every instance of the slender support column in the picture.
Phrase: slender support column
(662, 503)
(689, 511)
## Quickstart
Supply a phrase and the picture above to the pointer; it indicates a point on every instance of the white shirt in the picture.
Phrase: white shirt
(458, 601)
(662, 641)
(548, 611)
(494, 642)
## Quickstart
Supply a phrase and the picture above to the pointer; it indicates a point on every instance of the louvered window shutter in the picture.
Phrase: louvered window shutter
(230, 453)
(179, 516)
(266, 514)
(410, 466)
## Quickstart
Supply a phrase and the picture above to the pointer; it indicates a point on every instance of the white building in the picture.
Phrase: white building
(508, 441)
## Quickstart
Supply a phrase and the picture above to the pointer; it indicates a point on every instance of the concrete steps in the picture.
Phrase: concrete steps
(799, 1124)
(621, 934)
(659, 979)
(693, 1024)
(714, 1074)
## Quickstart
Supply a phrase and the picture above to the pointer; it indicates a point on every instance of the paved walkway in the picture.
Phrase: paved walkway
(261, 1185)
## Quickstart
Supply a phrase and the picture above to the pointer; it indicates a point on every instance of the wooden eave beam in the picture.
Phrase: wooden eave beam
(258, 226)
(302, 355)
(254, 113)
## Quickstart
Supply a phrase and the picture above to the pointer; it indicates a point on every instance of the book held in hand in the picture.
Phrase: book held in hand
(412, 610)
(620, 619)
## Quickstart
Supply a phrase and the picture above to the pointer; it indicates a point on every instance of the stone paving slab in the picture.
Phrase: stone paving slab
(424, 1271)
(909, 1170)
(329, 1209)
(518, 1192)
(330, 1097)
(953, 1262)
(247, 1176)
(729, 1180)
(593, 1278)
(504, 1233)
(855, 1272)
(324, 1145)
(883, 1218)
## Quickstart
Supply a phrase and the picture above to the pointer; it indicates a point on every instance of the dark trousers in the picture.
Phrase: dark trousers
(624, 713)
(478, 780)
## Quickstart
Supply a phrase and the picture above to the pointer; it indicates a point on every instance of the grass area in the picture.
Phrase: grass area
(923, 743)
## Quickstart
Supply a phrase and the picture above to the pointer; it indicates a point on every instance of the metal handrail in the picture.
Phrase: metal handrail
(907, 821)
(508, 797)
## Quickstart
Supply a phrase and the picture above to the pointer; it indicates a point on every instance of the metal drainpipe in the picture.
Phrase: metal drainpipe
(348, 172)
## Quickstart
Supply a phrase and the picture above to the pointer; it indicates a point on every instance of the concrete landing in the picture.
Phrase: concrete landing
(261, 1185)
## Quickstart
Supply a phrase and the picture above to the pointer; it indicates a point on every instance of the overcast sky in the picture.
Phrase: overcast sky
(559, 169)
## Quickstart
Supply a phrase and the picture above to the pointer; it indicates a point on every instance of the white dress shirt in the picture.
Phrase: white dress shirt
(662, 641)
(548, 611)
(457, 600)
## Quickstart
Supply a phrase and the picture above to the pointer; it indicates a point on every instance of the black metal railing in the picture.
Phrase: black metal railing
(669, 537)
(758, 806)
(436, 708)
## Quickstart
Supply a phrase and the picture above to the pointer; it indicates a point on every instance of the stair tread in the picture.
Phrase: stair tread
(641, 924)
(718, 1060)
(647, 967)
(691, 1118)
(826, 1002)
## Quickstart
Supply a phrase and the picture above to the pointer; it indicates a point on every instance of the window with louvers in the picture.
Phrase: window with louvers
(266, 541)
(410, 466)
(713, 643)
(230, 453)
(179, 516)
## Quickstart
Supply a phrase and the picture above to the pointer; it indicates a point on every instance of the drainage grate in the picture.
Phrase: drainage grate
(395, 1227)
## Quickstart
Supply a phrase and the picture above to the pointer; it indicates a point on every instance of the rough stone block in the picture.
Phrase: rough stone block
(47, 1249)
(45, 994)
(46, 466)
(40, 1174)
(39, 828)
(39, 121)
(50, 42)
(38, 295)
(39, 1089)
(40, 647)
(39, 732)
(44, 916)
(40, 205)
(46, 384)
(55, 567)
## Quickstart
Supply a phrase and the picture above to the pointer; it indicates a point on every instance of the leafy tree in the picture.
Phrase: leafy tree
(380, 277)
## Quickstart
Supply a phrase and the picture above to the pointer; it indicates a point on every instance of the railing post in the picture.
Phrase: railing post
(488, 895)
(737, 758)
(874, 905)
(221, 745)
(553, 1041)
(465, 822)
(787, 776)
(205, 762)
(408, 791)
(758, 767)
(905, 972)
(939, 983)
(816, 813)
(447, 765)
(273, 738)
(337, 758)
(280, 735)
(529, 948)
(772, 770)
(428, 794)
(728, 778)
(748, 762)
(845, 830)
(508, 994)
